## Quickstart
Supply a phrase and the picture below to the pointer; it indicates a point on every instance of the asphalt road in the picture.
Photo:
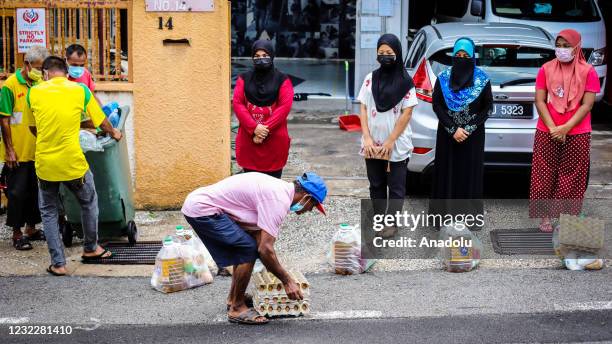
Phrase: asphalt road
(484, 306)
(565, 327)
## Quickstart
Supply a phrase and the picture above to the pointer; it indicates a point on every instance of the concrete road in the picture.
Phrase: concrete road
(487, 306)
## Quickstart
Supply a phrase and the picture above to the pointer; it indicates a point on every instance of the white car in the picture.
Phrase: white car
(553, 16)
(511, 54)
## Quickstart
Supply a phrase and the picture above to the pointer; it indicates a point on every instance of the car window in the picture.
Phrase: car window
(418, 51)
(547, 10)
(501, 62)
(453, 8)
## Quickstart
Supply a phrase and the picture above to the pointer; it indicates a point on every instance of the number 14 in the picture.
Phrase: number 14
(168, 23)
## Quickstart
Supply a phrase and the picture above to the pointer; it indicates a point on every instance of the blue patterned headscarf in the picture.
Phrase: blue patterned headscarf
(460, 99)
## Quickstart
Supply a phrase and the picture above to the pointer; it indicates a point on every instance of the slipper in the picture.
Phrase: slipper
(546, 227)
(22, 244)
(248, 317)
(248, 301)
(37, 236)
(99, 256)
(50, 270)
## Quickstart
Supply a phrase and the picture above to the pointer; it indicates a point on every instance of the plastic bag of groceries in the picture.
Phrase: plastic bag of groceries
(89, 142)
(181, 264)
(462, 254)
(574, 259)
(345, 253)
(194, 253)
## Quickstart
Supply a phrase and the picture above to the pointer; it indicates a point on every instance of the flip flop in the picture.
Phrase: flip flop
(99, 256)
(50, 270)
(22, 244)
(37, 236)
(248, 317)
(248, 301)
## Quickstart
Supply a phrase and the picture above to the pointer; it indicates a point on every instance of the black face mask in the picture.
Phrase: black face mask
(263, 63)
(386, 60)
(462, 73)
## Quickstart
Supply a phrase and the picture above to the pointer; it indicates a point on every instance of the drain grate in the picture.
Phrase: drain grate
(514, 241)
(125, 254)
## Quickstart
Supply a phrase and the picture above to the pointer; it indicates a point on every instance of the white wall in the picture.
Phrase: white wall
(124, 99)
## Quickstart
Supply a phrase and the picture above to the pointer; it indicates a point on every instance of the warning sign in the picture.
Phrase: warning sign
(31, 28)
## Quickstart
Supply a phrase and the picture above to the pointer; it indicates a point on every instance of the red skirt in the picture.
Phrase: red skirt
(559, 175)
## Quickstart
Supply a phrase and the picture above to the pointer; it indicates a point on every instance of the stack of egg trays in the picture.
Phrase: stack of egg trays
(270, 299)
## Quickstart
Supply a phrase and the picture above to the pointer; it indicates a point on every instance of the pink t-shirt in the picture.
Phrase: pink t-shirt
(251, 199)
(592, 85)
(85, 79)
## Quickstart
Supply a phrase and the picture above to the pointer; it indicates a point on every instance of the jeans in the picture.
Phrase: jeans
(22, 194)
(385, 184)
(85, 192)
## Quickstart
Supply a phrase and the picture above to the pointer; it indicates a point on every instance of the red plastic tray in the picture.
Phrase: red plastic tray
(349, 122)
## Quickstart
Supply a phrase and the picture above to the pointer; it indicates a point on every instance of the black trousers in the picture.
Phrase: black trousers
(22, 194)
(276, 174)
(387, 189)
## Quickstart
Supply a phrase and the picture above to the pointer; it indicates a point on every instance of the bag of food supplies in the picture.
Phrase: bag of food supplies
(345, 252)
(463, 252)
(181, 264)
(574, 259)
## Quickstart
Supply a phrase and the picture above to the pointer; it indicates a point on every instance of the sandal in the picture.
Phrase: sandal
(22, 244)
(248, 317)
(50, 270)
(37, 236)
(248, 301)
(98, 256)
(546, 227)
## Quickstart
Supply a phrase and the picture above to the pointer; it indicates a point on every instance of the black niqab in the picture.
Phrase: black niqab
(390, 83)
(462, 73)
(261, 86)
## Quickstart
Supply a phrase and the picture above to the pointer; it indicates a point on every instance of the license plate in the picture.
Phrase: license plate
(509, 110)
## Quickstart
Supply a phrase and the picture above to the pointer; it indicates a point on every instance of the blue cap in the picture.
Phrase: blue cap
(315, 186)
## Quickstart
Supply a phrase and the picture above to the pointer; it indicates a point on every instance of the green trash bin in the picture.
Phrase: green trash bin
(113, 179)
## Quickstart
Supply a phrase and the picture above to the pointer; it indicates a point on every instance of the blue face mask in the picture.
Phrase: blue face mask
(298, 206)
(76, 72)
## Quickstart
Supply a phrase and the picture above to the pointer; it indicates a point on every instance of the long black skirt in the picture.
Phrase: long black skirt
(458, 173)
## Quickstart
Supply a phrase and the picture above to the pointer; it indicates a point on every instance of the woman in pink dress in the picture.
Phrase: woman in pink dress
(565, 94)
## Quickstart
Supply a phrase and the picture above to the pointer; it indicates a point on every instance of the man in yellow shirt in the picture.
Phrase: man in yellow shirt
(54, 115)
(17, 151)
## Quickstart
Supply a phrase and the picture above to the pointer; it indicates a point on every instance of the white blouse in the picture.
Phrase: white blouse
(381, 124)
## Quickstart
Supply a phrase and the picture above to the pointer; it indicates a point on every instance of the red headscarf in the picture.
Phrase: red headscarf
(566, 81)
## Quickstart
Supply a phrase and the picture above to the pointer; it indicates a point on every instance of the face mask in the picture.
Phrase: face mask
(386, 60)
(262, 63)
(298, 206)
(35, 74)
(76, 72)
(564, 54)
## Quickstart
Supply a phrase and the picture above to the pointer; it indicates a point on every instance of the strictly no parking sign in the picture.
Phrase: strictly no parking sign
(31, 28)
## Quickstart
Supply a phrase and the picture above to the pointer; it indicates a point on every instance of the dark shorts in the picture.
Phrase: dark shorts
(227, 243)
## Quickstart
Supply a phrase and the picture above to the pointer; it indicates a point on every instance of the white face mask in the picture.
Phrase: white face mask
(564, 54)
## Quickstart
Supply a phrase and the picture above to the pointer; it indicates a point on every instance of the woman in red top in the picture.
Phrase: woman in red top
(262, 101)
(565, 94)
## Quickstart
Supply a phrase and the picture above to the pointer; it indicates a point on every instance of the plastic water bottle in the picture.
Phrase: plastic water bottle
(111, 110)
(179, 236)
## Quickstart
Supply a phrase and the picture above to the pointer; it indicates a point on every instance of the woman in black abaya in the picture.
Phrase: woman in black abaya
(462, 101)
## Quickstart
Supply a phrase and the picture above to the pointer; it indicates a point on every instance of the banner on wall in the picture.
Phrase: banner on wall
(31, 28)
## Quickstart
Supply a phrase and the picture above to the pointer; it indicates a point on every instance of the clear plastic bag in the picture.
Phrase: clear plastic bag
(574, 259)
(345, 252)
(181, 265)
(463, 253)
(89, 142)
